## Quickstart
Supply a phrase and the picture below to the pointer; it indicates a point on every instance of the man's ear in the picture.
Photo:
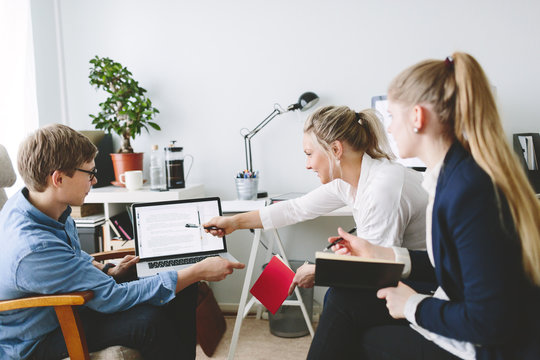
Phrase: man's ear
(419, 117)
(57, 178)
(337, 149)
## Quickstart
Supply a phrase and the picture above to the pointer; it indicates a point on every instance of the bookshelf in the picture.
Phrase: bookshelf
(115, 199)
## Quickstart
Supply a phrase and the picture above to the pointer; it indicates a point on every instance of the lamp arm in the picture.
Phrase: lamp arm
(263, 123)
(247, 137)
(247, 148)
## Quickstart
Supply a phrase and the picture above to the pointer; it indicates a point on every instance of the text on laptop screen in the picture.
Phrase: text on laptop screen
(380, 103)
(161, 229)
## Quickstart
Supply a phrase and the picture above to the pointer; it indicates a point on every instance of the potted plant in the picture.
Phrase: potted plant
(126, 111)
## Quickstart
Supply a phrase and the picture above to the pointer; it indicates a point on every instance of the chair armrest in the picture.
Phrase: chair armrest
(114, 254)
(67, 317)
(74, 298)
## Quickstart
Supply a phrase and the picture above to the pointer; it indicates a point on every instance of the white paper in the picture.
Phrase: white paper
(527, 146)
(162, 230)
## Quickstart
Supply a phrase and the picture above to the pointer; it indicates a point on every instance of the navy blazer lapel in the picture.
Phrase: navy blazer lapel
(454, 156)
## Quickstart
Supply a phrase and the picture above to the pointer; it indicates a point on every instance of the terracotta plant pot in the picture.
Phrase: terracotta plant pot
(125, 162)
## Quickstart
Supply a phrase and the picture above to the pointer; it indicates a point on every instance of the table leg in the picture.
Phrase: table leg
(243, 296)
(300, 301)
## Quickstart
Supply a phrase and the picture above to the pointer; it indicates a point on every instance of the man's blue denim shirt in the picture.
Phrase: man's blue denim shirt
(41, 255)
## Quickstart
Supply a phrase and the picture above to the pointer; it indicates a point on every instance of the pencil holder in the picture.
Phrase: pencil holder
(246, 189)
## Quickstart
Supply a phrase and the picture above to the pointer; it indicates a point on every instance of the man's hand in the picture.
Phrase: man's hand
(304, 278)
(214, 268)
(353, 245)
(125, 267)
(396, 298)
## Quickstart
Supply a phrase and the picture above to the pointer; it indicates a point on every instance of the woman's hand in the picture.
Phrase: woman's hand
(353, 245)
(304, 278)
(396, 298)
(225, 225)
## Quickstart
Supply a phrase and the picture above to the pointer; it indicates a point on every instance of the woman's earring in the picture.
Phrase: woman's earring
(415, 130)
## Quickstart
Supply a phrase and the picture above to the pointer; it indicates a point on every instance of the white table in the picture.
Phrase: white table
(115, 198)
(244, 306)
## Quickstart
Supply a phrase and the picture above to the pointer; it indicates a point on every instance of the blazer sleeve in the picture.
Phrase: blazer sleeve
(421, 268)
(478, 265)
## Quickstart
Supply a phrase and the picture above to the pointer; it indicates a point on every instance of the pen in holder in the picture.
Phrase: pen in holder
(247, 184)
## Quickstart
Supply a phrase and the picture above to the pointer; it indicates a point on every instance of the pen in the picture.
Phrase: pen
(339, 239)
(211, 228)
(123, 231)
(195, 226)
(114, 228)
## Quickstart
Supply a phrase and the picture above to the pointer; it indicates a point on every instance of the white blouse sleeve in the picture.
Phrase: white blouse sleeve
(321, 201)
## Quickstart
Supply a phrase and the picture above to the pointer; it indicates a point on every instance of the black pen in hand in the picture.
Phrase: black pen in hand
(338, 239)
(212, 228)
(195, 226)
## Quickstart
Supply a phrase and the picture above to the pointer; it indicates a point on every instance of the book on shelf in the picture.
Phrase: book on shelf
(121, 226)
(90, 221)
(355, 272)
(272, 287)
(86, 210)
(286, 196)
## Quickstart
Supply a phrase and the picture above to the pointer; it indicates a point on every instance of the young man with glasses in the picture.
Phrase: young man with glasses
(41, 254)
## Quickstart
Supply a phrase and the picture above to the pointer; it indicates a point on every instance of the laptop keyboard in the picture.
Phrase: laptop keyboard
(174, 262)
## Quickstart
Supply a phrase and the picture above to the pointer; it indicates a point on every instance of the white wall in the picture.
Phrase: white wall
(213, 67)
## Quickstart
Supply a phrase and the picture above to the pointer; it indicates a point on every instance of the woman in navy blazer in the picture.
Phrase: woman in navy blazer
(483, 226)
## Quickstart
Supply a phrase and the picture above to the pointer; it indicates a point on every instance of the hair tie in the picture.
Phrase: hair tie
(358, 118)
(449, 62)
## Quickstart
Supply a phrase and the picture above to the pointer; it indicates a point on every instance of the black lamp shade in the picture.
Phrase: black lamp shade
(305, 101)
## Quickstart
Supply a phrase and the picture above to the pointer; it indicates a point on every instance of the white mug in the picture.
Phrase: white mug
(133, 180)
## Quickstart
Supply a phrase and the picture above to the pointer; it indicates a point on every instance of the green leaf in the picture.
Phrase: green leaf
(127, 110)
(154, 125)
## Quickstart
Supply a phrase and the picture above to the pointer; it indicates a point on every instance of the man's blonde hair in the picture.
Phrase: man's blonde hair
(50, 148)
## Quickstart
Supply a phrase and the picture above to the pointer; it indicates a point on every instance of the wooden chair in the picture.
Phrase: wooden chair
(65, 306)
(7, 175)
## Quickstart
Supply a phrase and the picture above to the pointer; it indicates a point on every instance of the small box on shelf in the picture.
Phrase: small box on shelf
(91, 238)
(86, 210)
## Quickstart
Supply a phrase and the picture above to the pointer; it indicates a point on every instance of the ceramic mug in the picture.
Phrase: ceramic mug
(133, 180)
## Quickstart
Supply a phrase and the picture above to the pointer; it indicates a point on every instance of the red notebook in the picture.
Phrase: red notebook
(272, 287)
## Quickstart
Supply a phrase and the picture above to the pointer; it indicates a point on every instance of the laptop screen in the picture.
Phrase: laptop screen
(161, 231)
(380, 103)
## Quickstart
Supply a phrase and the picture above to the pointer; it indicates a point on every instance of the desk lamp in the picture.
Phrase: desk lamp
(305, 101)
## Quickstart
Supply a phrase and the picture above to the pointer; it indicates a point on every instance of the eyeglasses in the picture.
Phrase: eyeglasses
(92, 172)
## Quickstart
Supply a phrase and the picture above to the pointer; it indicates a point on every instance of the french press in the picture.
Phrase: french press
(174, 166)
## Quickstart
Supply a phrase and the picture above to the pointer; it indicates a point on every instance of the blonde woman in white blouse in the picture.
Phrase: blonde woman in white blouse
(350, 154)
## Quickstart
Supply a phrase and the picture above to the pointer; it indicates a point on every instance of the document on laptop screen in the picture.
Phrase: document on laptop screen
(162, 231)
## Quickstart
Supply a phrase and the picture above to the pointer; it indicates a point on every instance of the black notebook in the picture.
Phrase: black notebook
(123, 225)
(355, 272)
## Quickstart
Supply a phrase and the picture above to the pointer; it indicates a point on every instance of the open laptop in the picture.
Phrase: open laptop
(169, 235)
(380, 104)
